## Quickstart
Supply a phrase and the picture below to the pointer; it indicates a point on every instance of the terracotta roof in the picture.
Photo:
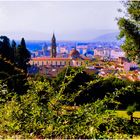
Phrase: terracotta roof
(54, 58)
(74, 52)
(49, 58)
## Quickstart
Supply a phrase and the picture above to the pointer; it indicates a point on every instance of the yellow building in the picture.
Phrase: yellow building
(74, 59)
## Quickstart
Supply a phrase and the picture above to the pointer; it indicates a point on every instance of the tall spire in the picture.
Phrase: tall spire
(53, 38)
(53, 46)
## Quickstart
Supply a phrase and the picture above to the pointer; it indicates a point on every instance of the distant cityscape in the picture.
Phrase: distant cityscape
(103, 58)
(109, 50)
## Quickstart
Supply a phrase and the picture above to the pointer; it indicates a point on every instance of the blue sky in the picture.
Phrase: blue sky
(70, 20)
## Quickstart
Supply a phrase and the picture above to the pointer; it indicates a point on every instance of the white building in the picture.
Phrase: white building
(116, 53)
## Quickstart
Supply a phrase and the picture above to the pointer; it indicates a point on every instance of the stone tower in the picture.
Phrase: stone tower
(53, 46)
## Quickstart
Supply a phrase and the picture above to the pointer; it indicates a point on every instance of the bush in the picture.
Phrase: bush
(43, 112)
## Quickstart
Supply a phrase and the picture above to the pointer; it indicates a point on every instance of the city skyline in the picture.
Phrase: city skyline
(70, 20)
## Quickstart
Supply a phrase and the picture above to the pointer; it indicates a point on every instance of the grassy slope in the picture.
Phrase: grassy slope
(121, 113)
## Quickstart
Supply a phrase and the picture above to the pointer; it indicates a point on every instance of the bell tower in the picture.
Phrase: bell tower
(53, 46)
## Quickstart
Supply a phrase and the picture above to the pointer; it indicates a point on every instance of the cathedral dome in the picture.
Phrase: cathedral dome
(74, 53)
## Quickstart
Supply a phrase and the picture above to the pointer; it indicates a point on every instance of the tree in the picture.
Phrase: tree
(130, 110)
(13, 64)
(13, 45)
(23, 55)
(5, 57)
(130, 30)
(80, 79)
(5, 48)
(43, 113)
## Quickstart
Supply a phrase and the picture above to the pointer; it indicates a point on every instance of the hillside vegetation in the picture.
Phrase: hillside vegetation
(49, 110)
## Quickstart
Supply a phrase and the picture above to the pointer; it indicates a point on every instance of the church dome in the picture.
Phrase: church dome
(74, 53)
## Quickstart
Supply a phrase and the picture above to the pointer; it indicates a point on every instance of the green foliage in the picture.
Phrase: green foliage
(11, 73)
(5, 95)
(130, 95)
(98, 88)
(130, 29)
(131, 109)
(73, 79)
(83, 89)
(5, 48)
(22, 55)
(43, 112)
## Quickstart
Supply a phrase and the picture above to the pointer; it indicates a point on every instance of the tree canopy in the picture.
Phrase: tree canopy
(130, 30)
(13, 63)
(23, 55)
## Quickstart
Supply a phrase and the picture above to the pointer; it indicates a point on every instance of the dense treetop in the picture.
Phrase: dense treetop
(130, 29)
(13, 63)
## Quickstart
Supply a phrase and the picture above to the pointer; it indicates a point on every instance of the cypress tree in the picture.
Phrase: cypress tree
(23, 55)
(13, 45)
(5, 48)
(12, 57)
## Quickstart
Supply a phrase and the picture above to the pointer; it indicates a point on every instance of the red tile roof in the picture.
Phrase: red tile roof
(55, 58)
(49, 58)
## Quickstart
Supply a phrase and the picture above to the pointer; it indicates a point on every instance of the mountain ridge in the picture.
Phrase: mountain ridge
(109, 37)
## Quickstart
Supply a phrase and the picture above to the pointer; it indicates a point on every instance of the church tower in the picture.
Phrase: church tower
(53, 46)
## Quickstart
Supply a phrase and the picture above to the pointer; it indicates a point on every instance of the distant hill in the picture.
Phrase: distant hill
(109, 37)
(78, 35)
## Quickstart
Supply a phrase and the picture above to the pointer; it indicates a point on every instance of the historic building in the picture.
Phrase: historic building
(53, 47)
(74, 58)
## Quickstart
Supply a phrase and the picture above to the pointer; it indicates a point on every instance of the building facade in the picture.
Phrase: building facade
(74, 58)
(59, 62)
(53, 47)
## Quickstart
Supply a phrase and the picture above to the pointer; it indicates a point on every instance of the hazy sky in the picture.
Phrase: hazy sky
(68, 19)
